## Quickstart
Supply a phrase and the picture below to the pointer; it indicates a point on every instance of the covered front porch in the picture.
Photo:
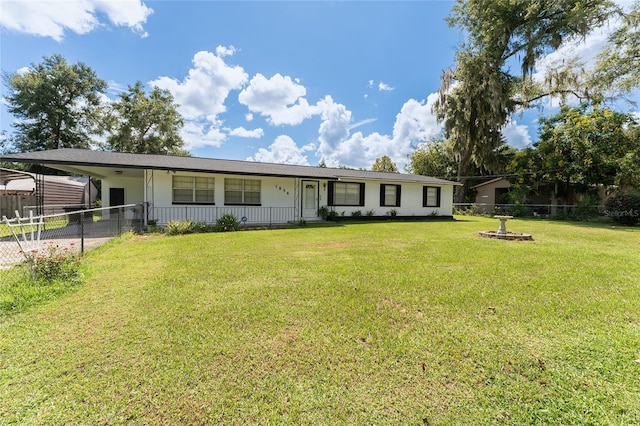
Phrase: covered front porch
(274, 200)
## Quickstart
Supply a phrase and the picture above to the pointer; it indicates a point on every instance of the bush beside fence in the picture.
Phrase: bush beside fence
(22, 238)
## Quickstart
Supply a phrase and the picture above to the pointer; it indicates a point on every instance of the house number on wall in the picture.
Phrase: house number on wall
(282, 189)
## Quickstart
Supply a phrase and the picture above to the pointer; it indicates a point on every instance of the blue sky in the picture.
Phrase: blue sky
(288, 82)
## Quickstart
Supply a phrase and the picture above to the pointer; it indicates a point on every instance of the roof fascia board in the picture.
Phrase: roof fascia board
(82, 172)
(348, 178)
(489, 182)
(75, 166)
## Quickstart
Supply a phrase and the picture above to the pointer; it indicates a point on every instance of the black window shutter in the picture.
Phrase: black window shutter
(330, 194)
(398, 188)
(361, 194)
(382, 189)
(425, 189)
(438, 196)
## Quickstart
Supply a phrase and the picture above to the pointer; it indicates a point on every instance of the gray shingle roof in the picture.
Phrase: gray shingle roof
(83, 157)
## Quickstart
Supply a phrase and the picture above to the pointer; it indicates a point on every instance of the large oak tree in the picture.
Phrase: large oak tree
(58, 105)
(145, 124)
(480, 92)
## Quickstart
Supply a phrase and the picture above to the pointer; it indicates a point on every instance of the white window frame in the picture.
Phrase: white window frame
(246, 192)
(199, 194)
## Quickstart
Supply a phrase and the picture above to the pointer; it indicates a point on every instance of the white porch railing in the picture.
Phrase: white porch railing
(209, 214)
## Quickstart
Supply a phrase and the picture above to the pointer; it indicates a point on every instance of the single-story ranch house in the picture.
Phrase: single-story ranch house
(203, 189)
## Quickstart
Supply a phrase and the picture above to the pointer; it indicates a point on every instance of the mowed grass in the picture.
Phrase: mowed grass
(378, 323)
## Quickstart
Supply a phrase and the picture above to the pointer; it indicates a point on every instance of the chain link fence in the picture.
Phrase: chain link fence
(534, 210)
(70, 232)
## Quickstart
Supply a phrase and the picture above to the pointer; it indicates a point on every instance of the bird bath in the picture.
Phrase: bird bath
(503, 234)
(503, 223)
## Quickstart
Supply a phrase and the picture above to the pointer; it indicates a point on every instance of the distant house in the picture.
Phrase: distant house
(491, 193)
(542, 200)
(202, 189)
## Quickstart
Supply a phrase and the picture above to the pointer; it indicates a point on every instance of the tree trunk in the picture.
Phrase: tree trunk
(463, 166)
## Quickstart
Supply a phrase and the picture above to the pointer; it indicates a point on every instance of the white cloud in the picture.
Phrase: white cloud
(333, 131)
(281, 99)
(203, 92)
(384, 87)
(362, 123)
(198, 134)
(201, 96)
(126, 13)
(284, 151)
(278, 98)
(114, 88)
(517, 135)
(361, 151)
(222, 51)
(414, 124)
(54, 18)
(244, 133)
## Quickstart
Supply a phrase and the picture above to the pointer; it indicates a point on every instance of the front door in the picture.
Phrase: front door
(309, 199)
(116, 197)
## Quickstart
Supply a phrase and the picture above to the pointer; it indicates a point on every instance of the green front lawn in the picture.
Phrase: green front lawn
(378, 323)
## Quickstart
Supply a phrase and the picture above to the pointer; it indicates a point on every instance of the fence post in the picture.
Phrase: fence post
(82, 231)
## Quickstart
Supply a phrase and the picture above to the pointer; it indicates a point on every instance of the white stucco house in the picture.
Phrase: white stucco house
(203, 189)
